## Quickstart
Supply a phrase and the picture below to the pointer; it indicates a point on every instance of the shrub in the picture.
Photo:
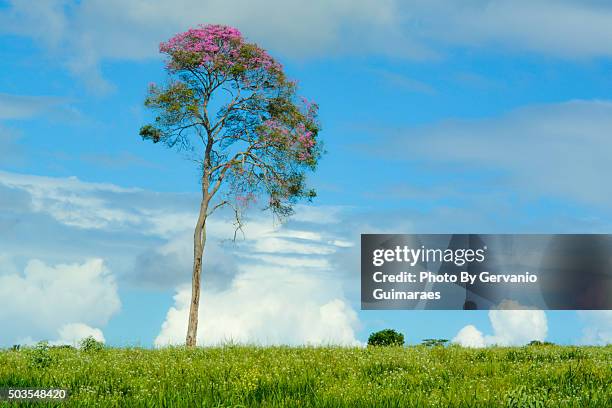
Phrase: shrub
(434, 342)
(40, 356)
(540, 343)
(89, 344)
(387, 337)
(62, 347)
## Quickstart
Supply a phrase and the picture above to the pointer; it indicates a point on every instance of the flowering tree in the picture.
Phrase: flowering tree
(229, 104)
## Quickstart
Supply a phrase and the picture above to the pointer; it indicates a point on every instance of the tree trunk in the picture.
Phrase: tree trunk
(199, 241)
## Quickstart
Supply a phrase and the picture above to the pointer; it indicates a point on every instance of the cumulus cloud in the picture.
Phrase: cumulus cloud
(597, 327)
(469, 336)
(43, 298)
(66, 221)
(266, 306)
(73, 333)
(515, 327)
(281, 287)
(512, 326)
(146, 239)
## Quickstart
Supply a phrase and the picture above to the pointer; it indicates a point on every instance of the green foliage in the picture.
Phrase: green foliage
(62, 346)
(151, 133)
(90, 344)
(522, 397)
(540, 343)
(228, 106)
(40, 356)
(387, 337)
(555, 376)
(434, 342)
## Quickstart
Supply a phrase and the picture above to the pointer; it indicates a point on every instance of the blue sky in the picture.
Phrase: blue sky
(489, 116)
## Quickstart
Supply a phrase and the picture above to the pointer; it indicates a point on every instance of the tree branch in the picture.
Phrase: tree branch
(219, 205)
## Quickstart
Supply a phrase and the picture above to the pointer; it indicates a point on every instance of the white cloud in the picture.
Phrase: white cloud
(282, 288)
(147, 242)
(84, 33)
(598, 326)
(66, 220)
(157, 227)
(513, 325)
(43, 298)
(568, 29)
(469, 336)
(73, 333)
(91, 205)
(526, 149)
(146, 237)
(271, 306)
(516, 327)
(87, 32)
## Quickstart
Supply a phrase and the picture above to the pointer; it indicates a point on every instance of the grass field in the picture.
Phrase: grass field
(236, 376)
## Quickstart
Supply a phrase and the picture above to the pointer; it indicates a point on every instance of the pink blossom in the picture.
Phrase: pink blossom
(216, 45)
(245, 199)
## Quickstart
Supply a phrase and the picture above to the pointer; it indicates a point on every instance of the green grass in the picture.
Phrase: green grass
(234, 376)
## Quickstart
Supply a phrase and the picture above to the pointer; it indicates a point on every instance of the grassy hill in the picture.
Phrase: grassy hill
(237, 376)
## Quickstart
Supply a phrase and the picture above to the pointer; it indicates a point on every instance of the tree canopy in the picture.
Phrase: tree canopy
(231, 97)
